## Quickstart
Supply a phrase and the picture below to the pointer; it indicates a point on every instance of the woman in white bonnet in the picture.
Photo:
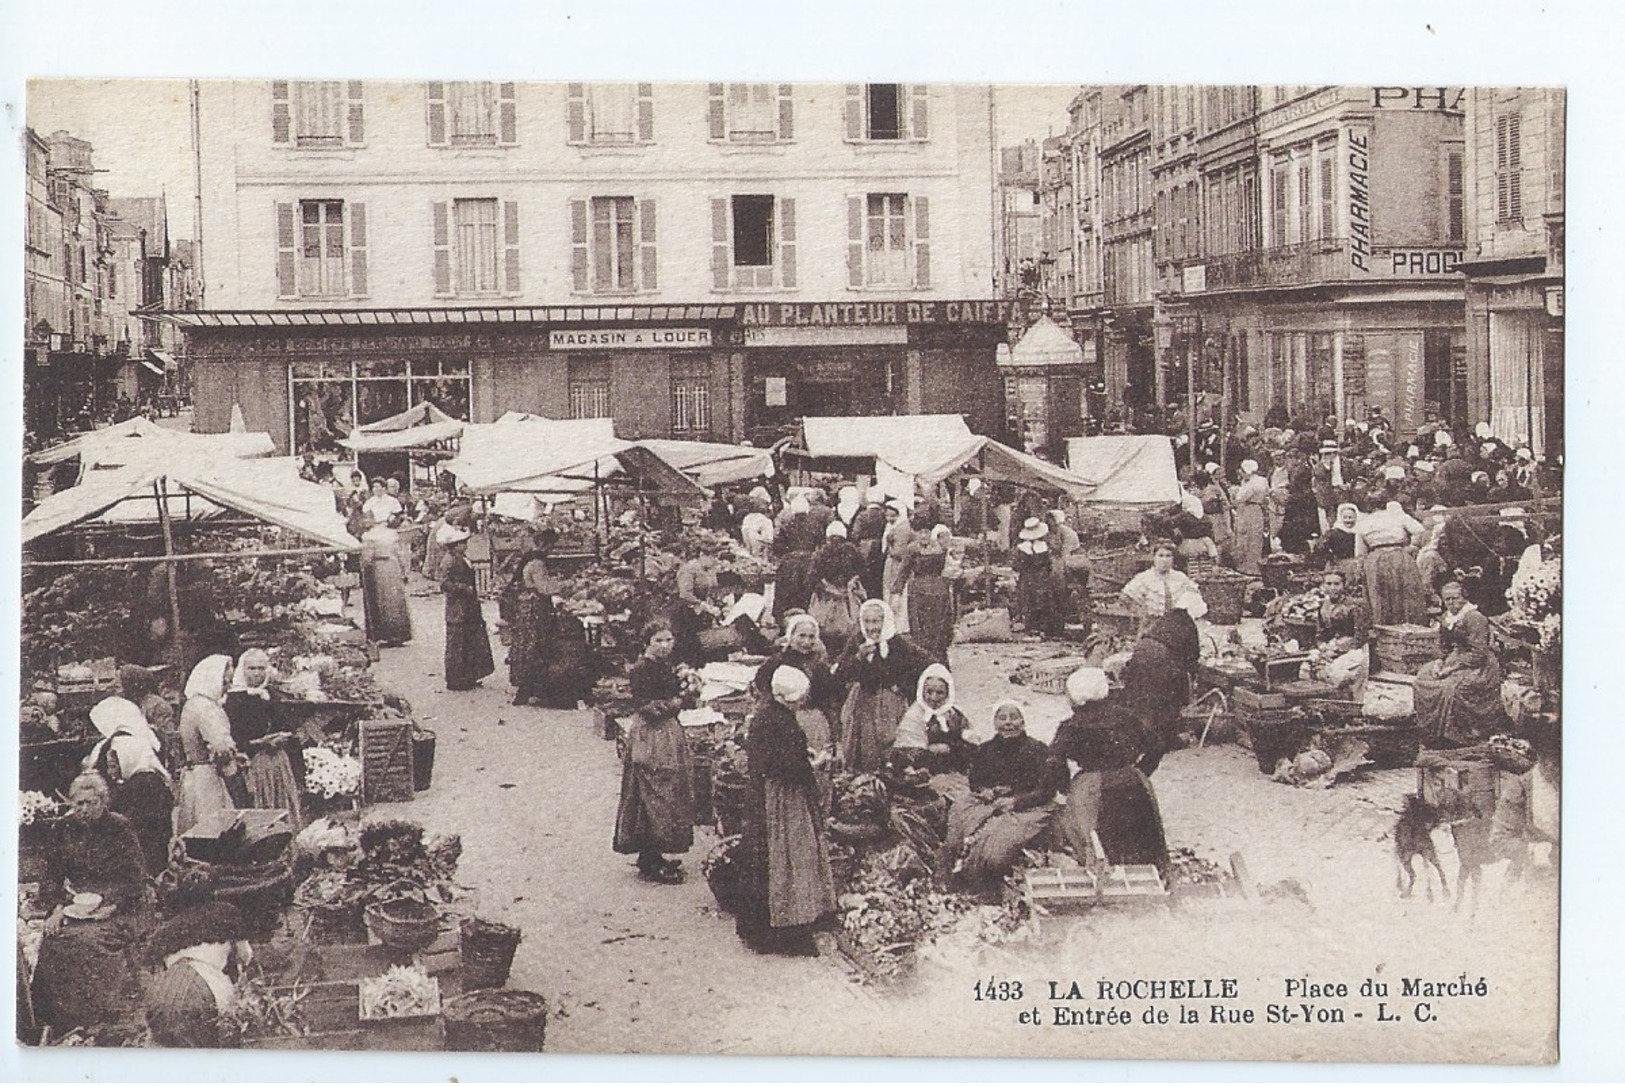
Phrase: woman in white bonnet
(1252, 519)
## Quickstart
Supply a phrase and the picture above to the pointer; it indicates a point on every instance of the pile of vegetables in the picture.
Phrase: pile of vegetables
(330, 773)
(885, 919)
(393, 861)
(256, 1010)
(403, 992)
(76, 615)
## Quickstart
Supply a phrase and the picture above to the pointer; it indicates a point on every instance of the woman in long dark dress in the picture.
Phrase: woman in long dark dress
(930, 595)
(1011, 803)
(805, 652)
(1038, 590)
(255, 729)
(882, 671)
(1156, 682)
(787, 887)
(1109, 796)
(1458, 696)
(532, 620)
(1300, 523)
(468, 645)
(656, 813)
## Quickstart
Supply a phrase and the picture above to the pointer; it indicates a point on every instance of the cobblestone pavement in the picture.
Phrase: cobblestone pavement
(632, 967)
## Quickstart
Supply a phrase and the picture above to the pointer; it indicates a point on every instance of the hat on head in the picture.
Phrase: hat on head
(1442, 439)
(1482, 430)
(450, 534)
(1424, 466)
(836, 530)
(1393, 471)
(1033, 529)
(790, 684)
(1249, 466)
(1524, 453)
(1087, 685)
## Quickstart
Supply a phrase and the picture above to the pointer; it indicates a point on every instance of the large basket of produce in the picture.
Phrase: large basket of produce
(1209, 719)
(495, 1021)
(1404, 647)
(1226, 594)
(333, 906)
(403, 924)
(722, 875)
(260, 891)
(1273, 735)
(488, 951)
(1113, 569)
(1509, 753)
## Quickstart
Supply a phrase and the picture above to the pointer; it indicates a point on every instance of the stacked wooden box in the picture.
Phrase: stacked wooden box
(1404, 647)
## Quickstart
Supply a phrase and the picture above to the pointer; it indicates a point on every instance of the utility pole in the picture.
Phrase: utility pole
(197, 189)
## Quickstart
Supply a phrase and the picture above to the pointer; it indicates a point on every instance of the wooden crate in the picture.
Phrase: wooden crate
(1064, 888)
(1049, 676)
(386, 761)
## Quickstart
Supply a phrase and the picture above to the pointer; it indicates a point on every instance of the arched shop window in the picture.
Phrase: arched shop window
(332, 398)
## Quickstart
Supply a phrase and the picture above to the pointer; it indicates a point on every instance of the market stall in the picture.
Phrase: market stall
(410, 444)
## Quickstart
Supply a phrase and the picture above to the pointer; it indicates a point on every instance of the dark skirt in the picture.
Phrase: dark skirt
(147, 801)
(532, 642)
(468, 655)
(1120, 807)
(1040, 597)
(931, 615)
(1393, 585)
(656, 812)
(87, 974)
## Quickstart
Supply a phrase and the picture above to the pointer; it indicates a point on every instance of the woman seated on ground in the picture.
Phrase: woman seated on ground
(129, 759)
(882, 669)
(1108, 798)
(1010, 805)
(1153, 593)
(257, 732)
(804, 651)
(1458, 696)
(86, 971)
(933, 729)
(1341, 655)
(199, 953)
(785, 867)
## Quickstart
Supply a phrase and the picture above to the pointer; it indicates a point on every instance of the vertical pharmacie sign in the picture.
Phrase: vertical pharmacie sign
(1357, 171)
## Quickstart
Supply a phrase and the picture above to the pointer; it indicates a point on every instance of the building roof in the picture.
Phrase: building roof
(149, 213)
(1044, 344)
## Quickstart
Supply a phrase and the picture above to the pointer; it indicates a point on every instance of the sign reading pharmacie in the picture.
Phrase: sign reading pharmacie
(624, 339)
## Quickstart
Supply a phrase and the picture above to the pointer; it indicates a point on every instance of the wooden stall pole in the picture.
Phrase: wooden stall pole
(159, 490)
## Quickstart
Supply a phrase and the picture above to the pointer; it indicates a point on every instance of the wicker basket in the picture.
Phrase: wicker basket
(488, 950)
(1209, 719)
(1049, 677)
(1226, 595)
(404, 925)
(1404, 647)
(1113, 569)
(495, 1021)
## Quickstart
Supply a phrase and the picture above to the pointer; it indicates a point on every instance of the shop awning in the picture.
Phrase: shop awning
(147, 362)
(558, 456)
(1126, 469)
(199, 487)
(164, 359)
(446, 315)
(713, 464)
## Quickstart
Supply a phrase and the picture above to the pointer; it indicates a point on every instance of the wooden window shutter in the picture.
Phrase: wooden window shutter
(854, 111)
(716, 111)
(787, 113)
(507, 115)
(437, 114)
(646, 112)
(358, 249)
(510, 246)
(442, 247)
(854, 241)
(281, 113)
(575, 113)
(919, 113)
(787, 241)
(286, 245)
(578, 246)
(922, 241)
(358, 130)
(648, 265)
(721, 261)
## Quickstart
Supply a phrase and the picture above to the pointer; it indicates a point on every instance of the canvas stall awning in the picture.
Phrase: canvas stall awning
(138, 440)
(998, 463)
(902, 440)
(268, 490)
(713, 464)
(417, 427)
(1126, 469)
(550, 456)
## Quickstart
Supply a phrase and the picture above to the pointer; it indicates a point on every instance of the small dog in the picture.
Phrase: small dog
(1413, 838)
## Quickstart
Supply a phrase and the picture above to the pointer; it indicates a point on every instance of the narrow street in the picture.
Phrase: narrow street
(633, 967)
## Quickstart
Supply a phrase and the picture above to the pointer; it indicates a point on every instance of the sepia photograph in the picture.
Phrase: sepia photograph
(792, 568)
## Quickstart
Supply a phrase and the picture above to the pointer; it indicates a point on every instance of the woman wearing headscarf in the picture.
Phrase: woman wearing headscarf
(1252, 520)
(756, 527)
(805, 651)
(1109, 797)
(86, 972)
(1341, 654)
(785, 867)
(1156, 681)
(383, 585)
(847, 505)
(837, 588)
(930, 594)
(129, 758)
(200, 952)
(1038, 590)
(656, 813)
(932, 731)
(208, 754)
(1458, 696)
(1385, 541)
(882, 671)
(251, 708)
(1010, 805)
(140, 685)
(894, 545)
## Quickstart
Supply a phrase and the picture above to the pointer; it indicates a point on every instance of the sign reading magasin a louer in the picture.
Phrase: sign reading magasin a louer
(626, 339)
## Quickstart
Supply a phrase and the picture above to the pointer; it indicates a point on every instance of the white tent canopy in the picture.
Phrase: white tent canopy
(713, 464)
(414, 428)
(269, 490)
(1126, 469)
(998, 463)
(553, 456)
(908, 442)
(139, 441)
